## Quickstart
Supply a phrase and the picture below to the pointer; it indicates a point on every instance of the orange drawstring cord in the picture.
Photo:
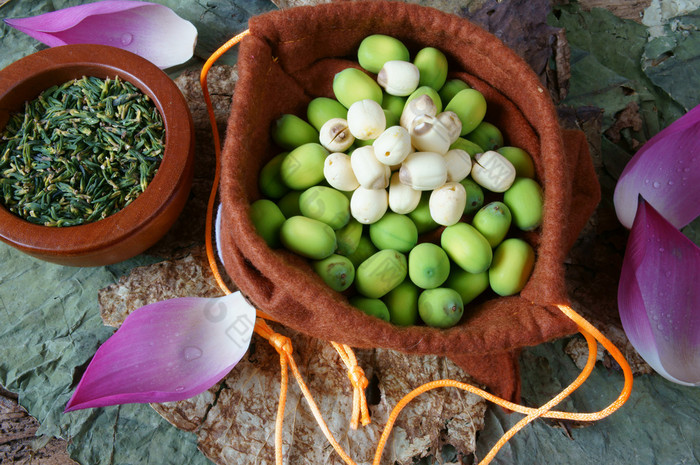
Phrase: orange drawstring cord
(281, 343)
(284, 347)
(359, 381)
(360, 412)
(211, 257)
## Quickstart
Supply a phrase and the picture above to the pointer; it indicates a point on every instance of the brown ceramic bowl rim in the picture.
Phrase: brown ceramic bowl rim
(59, 65)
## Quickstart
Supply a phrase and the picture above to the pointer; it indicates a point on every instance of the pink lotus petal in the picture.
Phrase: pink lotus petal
(168, 351)
(150, 30)
(217, 233)
(666, 172)
(659, 296)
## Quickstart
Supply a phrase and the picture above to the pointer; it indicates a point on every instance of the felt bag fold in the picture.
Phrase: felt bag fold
(289, 58)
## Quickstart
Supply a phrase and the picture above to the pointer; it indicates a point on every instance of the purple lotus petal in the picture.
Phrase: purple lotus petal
(666, 172)
(150, 30)
(168, 351)
(659, 296)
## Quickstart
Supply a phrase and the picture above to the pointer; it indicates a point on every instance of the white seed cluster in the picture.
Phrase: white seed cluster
(408, 159)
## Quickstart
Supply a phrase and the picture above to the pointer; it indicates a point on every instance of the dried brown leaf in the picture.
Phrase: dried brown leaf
(235, 419)
(520, 24)
(18, 441)
(626, 9)
(240, 426)
(627, 118)
(186, 277)
(292, 3)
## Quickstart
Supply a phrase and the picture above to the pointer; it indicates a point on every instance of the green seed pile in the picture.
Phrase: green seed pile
(420, 217)
(79, 152)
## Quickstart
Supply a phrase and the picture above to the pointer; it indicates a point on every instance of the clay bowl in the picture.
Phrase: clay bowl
(145, 220)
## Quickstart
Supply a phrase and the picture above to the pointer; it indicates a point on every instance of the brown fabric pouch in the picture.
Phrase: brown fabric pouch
(291, 57)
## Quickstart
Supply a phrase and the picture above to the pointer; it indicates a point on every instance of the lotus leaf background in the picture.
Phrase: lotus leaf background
(620, 73)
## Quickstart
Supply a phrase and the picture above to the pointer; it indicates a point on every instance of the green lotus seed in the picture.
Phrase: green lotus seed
(513, 261)
(372, 307)
(348, 237)
(289, 204)
(377, 49)
(391, 119)
(467, 247)
(394, 231)
(486, 136)
(380, 273)
(441, 307)
(290, 131)
(468, 146)
(402, 302)
(432, 64)
(303, 166)
(393, 107)
(468, 285)
(361, 143)
(308, 237)
(451, 88)
(421, 215)
(475, 196)
(526, 203)
(336, 271)
(521, 160)
(352, 85)
(428, 266)
(470, 106)
(270, 179)
(322, 109)
(430, 92)
(267, 219)
(364, 250)
(493, 222)
(325, 204)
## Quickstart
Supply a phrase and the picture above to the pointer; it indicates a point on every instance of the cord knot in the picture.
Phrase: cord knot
(357, 377)
(281, 343)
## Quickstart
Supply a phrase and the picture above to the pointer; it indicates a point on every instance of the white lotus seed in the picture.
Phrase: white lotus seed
(366, 119)
(447, 203)
(370, 173)
(452, 123)
(422, 105)
(337, 170)
(424, 171)
(402, 198)
(459, 164)
(428, 134)
(335, 135)
(368, 205)
(493, 171)
(399, 77)
(392, 146)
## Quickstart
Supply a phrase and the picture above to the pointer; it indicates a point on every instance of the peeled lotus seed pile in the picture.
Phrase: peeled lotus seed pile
(384, 191)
